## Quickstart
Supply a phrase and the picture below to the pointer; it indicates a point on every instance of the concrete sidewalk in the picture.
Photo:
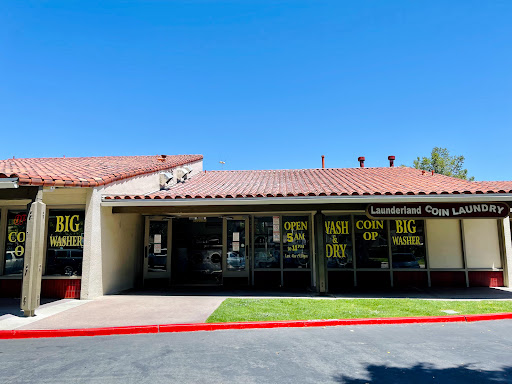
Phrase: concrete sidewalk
(134, 308)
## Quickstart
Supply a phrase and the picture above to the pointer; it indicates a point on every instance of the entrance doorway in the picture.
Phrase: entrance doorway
(236, 250)
(156, 247)
(197, 251)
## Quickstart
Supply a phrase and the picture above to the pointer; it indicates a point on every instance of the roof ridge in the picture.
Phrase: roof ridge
(302, 169)
(92, 157)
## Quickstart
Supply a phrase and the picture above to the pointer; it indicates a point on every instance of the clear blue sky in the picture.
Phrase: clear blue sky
(259, 84)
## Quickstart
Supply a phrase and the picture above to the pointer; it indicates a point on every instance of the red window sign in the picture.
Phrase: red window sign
(20, 219)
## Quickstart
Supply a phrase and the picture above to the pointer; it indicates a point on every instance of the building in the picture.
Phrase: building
(113, 223)
(83, 250)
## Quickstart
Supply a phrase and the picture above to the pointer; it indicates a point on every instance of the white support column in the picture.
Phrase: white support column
(3, 232)
(92, 271)
(507, 253)
(34, 254)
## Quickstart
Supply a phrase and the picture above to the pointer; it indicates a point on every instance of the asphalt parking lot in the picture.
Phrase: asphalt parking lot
(478, 352)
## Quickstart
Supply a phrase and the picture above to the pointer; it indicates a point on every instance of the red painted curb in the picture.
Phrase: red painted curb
(488, 316)
(306, 323)
(38, 333)
(167, 328)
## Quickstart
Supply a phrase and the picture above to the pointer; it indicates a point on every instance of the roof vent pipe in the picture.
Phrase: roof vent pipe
(323, 161)
(391, 161)
(361, 161)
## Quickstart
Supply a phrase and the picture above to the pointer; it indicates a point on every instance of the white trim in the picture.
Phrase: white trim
(9, 183)
(366, 199)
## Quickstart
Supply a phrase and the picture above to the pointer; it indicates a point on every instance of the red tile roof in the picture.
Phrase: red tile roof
(505, 186)
(87, 171)
(321, 182)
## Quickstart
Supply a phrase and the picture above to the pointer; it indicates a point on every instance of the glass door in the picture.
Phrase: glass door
(156, 248)
(197, 251)
(236, 248)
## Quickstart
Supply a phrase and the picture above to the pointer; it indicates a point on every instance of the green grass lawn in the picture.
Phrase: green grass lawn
(311, 309)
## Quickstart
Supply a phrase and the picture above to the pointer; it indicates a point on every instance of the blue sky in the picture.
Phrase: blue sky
(259, 84)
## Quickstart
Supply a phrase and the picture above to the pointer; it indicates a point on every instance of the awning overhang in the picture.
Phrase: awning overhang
(360, 199)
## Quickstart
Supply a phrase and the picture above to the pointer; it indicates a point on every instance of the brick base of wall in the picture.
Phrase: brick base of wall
(447, 278)
(54, 289)
(458, 278)
(61, 289)
(10, 288)
(485, 279)
(404, 279)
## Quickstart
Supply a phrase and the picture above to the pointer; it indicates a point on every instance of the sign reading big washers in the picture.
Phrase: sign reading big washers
(438, 210)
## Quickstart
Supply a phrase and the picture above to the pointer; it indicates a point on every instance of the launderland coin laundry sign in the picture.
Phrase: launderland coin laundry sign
(438, 210)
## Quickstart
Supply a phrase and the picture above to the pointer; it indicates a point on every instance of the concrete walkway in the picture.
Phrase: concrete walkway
(189, 306)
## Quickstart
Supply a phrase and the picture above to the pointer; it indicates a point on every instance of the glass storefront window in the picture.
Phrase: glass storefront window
(296, 242)
(266, 242)
(371, 243)
(408, 243)
(338, 242)
(235, 258)
(15, 242)
(65, 243)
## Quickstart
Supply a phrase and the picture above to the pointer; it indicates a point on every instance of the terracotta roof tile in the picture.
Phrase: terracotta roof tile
(87, 171)
(323, 182)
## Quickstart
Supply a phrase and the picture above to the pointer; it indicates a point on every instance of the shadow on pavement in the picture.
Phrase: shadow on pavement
(424, 373)
(218, 291)
(474, 293)
(12, 306)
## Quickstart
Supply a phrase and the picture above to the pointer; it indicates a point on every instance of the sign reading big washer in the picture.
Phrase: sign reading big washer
(438, 210)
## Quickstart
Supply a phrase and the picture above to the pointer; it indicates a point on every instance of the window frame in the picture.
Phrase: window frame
(4, 214)
(312, 251)
(390, 270)
(71, 207)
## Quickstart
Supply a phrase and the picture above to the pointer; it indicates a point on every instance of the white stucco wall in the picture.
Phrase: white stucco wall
(64, 196)
(482, 245)
(196, 167)
(144, 184)
(113, 242)
(102, 236)
(92, 279)
(507, 249)
(122, 238)
(135, 185)
(444, 244)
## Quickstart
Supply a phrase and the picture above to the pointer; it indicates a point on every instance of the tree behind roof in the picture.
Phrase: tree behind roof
(441, 162)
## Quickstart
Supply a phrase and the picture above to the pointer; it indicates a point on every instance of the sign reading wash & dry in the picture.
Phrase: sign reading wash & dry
(438, 210)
